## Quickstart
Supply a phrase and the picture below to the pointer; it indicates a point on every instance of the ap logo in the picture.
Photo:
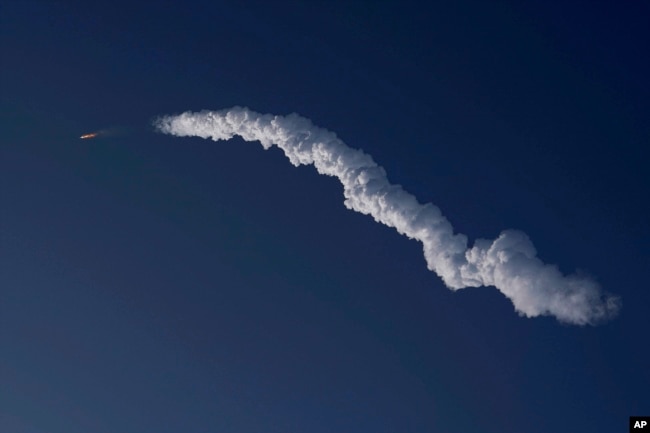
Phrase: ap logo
(640, 424)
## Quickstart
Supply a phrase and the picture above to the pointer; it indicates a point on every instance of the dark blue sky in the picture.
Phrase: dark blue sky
(158, 284)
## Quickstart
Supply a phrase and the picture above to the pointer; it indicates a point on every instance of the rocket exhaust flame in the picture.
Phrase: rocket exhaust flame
(91, 135)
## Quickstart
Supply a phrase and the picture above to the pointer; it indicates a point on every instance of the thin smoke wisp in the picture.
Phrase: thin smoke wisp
(509, 262)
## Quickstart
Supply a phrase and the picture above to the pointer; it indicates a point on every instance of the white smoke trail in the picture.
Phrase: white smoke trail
(509, 263)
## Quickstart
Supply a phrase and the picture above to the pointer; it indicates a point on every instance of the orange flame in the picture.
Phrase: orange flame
(91, 135)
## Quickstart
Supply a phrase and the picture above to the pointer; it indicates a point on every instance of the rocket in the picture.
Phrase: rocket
(91, 135)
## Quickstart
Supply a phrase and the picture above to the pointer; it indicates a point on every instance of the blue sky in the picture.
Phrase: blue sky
(164, 284)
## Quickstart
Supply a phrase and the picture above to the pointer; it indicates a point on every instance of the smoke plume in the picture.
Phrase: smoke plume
(509, 263)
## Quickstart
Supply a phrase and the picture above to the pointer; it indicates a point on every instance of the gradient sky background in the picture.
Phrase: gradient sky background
(158, 284)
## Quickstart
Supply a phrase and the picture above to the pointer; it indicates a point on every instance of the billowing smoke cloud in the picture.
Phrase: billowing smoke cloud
(508, 263)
